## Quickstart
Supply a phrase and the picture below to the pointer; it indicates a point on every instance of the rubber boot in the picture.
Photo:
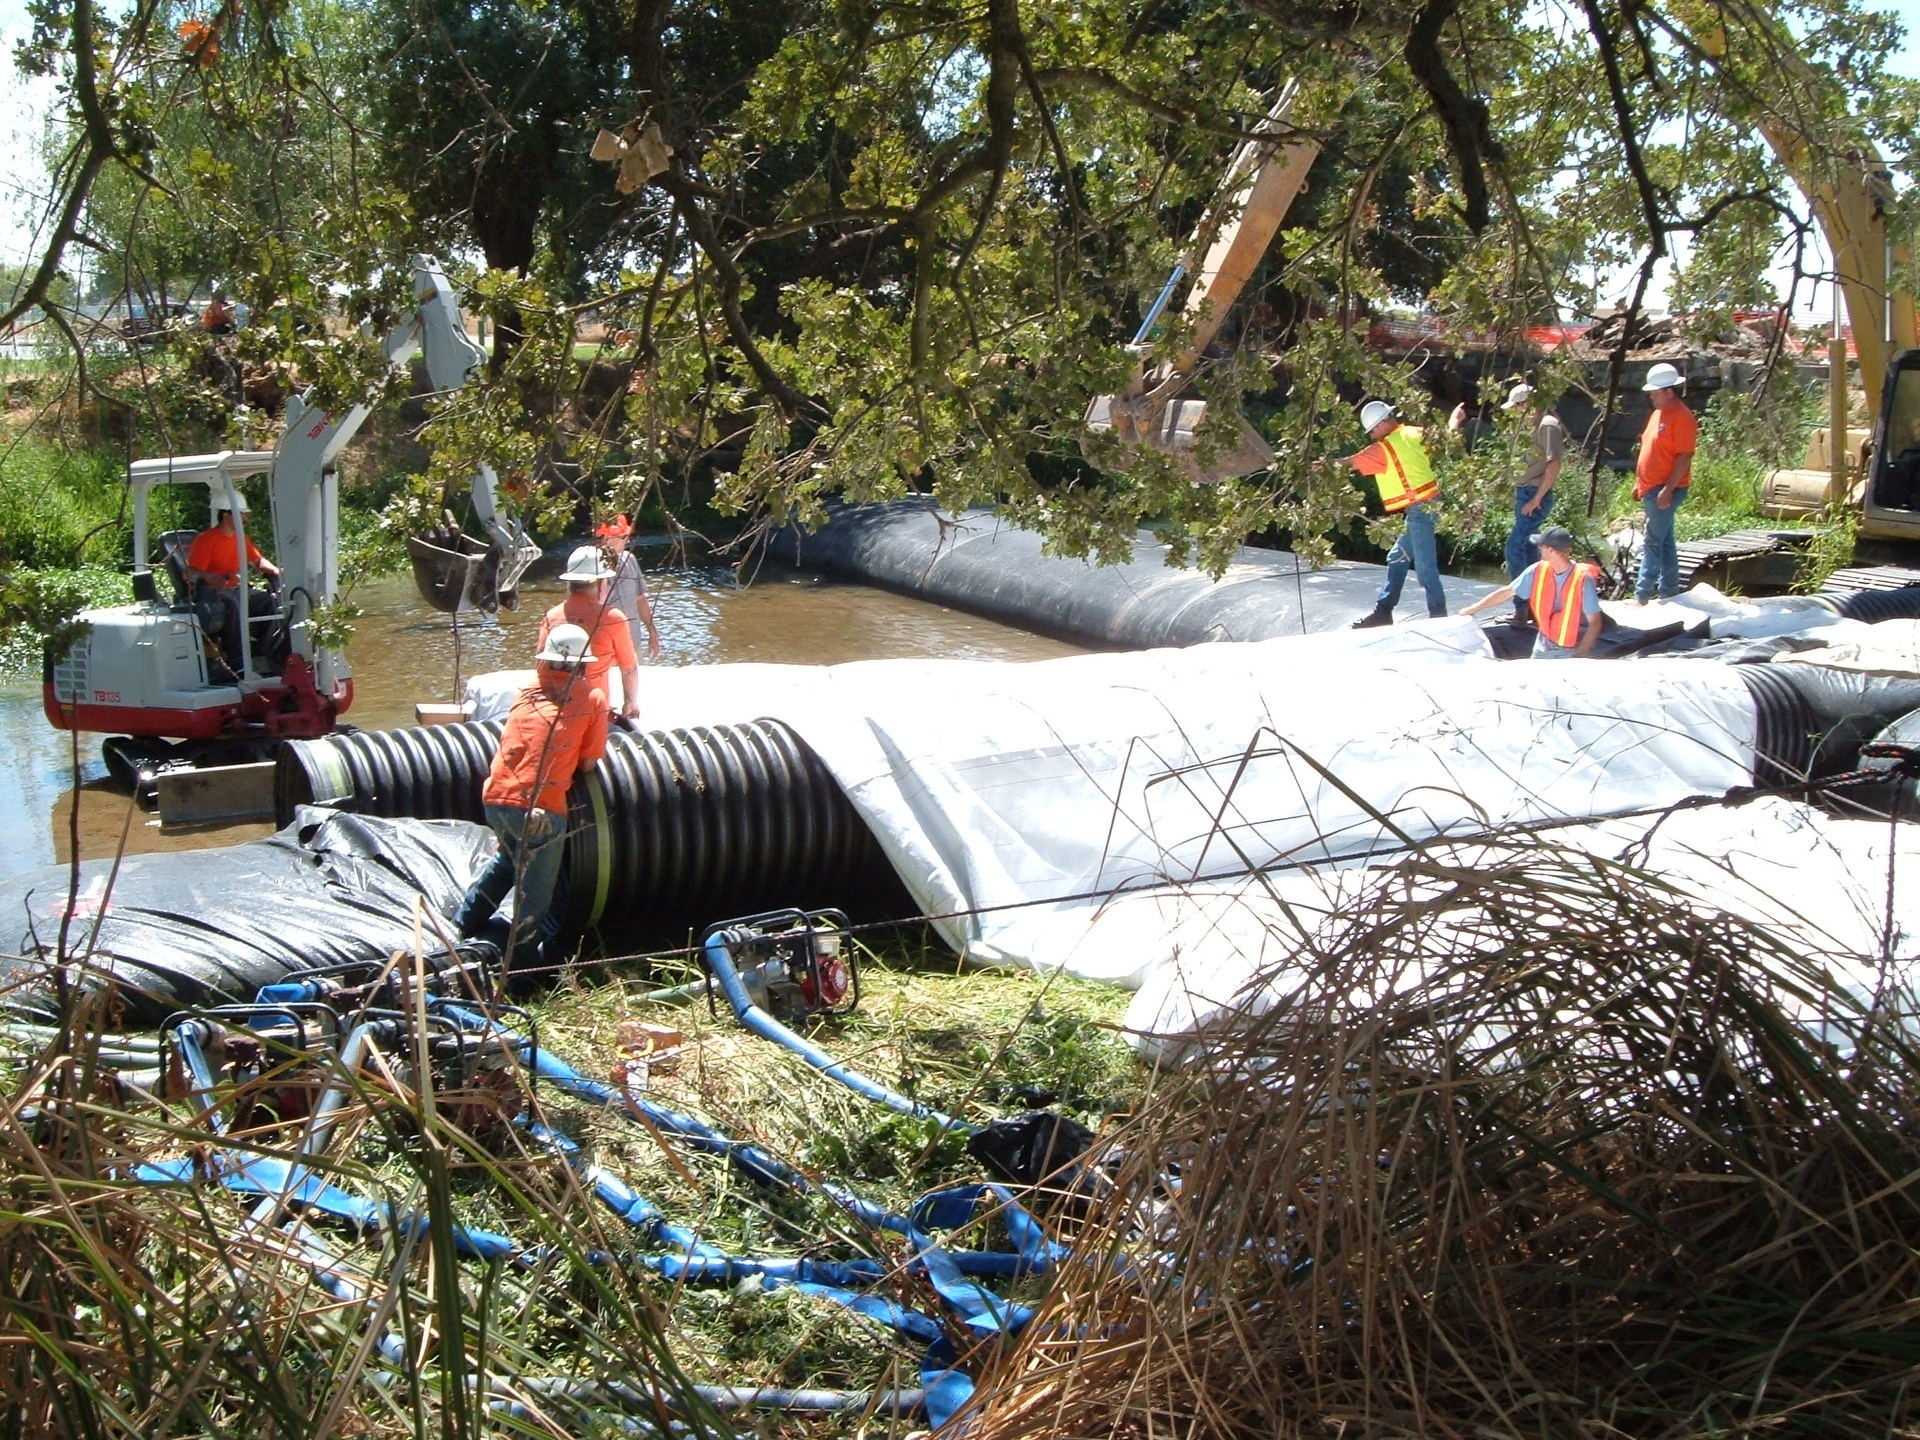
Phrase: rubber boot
(1380, 615)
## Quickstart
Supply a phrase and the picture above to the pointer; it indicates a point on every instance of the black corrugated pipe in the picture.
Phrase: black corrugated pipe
(1783, 726)
(1813, 719)
(1876, 605)
(672, 828)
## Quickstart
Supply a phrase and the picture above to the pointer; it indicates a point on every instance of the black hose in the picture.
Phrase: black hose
(671, 828)
(1876, 605)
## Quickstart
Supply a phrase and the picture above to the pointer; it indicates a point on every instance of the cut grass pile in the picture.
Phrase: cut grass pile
(140, 1310)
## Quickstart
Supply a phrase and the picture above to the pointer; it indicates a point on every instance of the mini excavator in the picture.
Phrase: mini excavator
(163, 678)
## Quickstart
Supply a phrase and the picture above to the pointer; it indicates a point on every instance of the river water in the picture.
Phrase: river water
(404, 653)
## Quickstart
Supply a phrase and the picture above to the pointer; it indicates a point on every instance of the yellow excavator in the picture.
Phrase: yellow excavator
(1262, 179)
(1849, 194)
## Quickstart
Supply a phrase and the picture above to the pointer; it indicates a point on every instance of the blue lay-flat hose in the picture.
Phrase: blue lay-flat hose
(720, 961)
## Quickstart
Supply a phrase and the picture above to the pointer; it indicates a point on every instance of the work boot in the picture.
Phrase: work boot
(1380, 615)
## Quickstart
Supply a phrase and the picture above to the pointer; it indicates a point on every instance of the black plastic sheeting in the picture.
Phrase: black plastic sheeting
(1812, 719)
(212, 926)
(981, 564)
(673, 829)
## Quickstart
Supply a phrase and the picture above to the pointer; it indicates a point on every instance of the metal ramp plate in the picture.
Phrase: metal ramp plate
(1735, 545)
(1870, 577)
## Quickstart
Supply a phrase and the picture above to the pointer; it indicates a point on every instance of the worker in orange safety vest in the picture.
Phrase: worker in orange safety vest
(1563, 595)
(1398, 461)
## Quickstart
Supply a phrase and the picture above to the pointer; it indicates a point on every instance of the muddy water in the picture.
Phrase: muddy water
(404, 653)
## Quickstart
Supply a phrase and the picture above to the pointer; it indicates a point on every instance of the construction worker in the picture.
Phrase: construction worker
(556, 729)
(213, 579)
(1533, 492)
(627, 592)
(1397, 459)
(588, 607)
(1661, 478)
(214, 556)
(1564, 596)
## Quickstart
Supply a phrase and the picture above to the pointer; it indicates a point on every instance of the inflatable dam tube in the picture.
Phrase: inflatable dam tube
(674, 829)
(209, 927)
(981, 564)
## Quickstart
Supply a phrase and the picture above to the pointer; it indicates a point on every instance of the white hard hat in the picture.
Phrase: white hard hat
(1373, 412)
(585, 564)
(566, 645)
(1664, 377)
(220, 503)
(1518, 397)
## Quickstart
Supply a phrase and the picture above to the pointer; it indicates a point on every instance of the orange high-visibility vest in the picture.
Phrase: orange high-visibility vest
(1561, 625)
(1408, 478)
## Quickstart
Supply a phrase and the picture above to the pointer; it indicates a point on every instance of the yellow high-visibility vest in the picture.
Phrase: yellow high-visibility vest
(1408, 478)
(1561, 624)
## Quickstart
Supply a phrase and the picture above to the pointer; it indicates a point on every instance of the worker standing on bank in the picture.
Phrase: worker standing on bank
(1533, 493)
(556, 729)
(1397, 459)
(1661, 478)
(587, 606)
(1564, 596)
(627, 592)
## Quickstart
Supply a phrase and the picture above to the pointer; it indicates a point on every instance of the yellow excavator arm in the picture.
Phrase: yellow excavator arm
(1261, 182)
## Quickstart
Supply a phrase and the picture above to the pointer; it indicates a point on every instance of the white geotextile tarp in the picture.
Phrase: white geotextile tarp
(1821, 883)
(1021, 793)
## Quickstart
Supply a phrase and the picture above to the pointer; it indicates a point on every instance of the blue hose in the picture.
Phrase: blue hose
(720, 961)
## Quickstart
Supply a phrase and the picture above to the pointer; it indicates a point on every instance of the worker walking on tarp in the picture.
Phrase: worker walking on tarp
(1563, 595)
(627, 591)
(1533, 493)
(1661, 478)
(1397, 459)
(556, 729)
(587, 606)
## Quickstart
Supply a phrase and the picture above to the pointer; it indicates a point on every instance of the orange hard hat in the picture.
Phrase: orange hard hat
(618, 528)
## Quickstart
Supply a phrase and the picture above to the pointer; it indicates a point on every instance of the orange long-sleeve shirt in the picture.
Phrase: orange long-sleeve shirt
(544, 744)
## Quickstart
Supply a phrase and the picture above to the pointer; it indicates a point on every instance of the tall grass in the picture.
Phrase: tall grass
(1529, 1151)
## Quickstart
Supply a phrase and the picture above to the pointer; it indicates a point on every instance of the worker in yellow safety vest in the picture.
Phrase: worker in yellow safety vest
(1397, 459)
(1563, 596)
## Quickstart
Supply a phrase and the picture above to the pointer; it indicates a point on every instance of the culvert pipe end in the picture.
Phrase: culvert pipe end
(671, 827)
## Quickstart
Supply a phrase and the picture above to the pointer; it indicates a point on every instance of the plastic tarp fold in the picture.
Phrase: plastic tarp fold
(213, 926)
(1821, 882)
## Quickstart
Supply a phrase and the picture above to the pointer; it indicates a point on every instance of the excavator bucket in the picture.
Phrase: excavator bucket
(1172, 428)
(455, 571)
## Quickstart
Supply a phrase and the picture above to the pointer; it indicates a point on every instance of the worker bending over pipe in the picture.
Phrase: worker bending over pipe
(1564, 598)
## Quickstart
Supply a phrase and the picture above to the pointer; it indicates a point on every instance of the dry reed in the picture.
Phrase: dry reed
(1531, 1150)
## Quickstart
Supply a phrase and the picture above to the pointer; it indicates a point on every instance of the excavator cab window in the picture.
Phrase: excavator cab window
(1898, 486)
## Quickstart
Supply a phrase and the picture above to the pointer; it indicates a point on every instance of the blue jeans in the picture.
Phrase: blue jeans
(1415, 550)
(1521, 551)
(1660, 557)
(537, 879)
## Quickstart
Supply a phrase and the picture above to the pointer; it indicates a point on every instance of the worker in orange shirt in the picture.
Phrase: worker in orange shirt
(587, 606)
(556, 729)
(214, 556)
(213, 578)
(1661, 478)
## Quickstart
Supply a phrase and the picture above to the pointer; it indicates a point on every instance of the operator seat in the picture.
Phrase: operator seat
(174, 545)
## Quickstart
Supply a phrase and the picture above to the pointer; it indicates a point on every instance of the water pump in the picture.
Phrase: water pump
(793, 964)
